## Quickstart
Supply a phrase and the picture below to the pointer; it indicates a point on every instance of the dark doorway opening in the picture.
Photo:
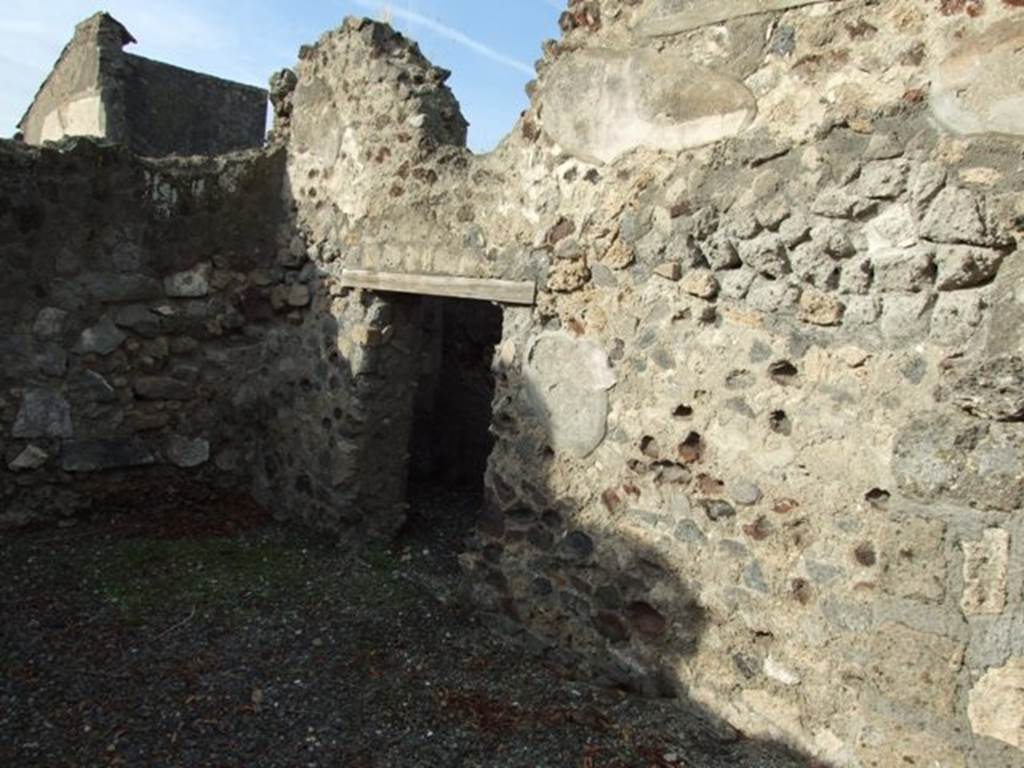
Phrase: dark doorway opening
(451, 439)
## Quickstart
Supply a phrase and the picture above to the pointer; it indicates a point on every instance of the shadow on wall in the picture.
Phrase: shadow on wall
(603, 603)
(334, 400)
(336, 397)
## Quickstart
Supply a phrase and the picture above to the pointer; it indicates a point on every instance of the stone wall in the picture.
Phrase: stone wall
(133, 300)
(170, 110)
(760, 439)
(96, 89)
(762, 434)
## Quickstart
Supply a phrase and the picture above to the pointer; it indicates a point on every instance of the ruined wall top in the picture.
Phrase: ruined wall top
(96, 89)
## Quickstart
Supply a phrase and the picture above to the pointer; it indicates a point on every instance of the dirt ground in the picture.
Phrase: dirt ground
(198, 632)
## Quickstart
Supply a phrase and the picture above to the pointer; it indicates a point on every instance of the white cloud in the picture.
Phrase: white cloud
(449, 33)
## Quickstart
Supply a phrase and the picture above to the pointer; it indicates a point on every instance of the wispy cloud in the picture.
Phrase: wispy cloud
(449, 33)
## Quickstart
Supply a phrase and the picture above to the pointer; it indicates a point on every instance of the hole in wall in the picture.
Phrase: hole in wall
(649, 447)
(783, 372)
(691, 448)
(779, 422)
(877, 497)
(682, 412)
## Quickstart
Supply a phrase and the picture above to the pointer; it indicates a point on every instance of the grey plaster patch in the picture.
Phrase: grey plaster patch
(568, 381)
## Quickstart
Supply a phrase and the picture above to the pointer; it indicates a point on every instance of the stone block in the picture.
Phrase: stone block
(567, 276)
(33, 457)
(913, 668)
(986, 563)
(954, 216)
(99, 455)
(735, 283)
(833, 240)
(905, 316)
(835, 204)
(996, 704)
(161, 388)
(963, 266)
(904, 270)
(856, 277)
(191, 284)
(913, 559)
(957, 318)
(187, 453)
(883, 180)
(700, 283)
(50, 323)
(894, 227)
(766, 255)
(820, 308)
(115, 288)
(771, 296)
(991, 389)
(299, 296)
(671, 17)
(43, 413)
(812, 265)
(944, 456)
(100, 339)
(139, 319)
(926, 179)
(721, 252)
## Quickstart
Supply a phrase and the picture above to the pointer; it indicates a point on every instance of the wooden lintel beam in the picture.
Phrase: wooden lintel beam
(484, 289)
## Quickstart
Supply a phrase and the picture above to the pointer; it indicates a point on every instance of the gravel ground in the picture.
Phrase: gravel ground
(200, 633)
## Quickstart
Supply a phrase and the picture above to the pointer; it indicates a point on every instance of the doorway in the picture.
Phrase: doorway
(451, 439)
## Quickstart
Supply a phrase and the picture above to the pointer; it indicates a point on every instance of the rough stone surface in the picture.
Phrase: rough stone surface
(786, 497)
(992, 389)
(965, 266)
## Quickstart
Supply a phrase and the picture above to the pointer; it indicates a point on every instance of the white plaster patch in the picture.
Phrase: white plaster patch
(977, 88)
(599, 104)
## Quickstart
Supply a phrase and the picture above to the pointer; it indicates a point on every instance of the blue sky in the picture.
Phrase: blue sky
(489, 45)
